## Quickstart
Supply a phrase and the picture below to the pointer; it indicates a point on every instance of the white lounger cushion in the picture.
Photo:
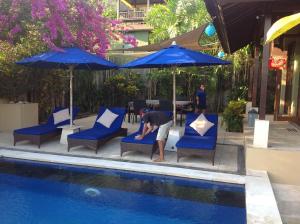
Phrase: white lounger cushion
(107, 118)
(201, 125)
(61, 116)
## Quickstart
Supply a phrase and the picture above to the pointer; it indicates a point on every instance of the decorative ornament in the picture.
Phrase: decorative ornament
(210, 30)
(221, 54)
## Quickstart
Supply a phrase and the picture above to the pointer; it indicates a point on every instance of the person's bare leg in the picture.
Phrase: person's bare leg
(161, 145)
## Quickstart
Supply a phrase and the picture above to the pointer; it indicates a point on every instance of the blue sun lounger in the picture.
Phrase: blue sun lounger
(147, 145)
(191, 143)
(44, 132)
(99, 134)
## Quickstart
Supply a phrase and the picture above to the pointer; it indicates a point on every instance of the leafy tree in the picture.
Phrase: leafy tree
(28, 27)
(16, 80)
(120, 88)
(233, 116)
(61, 23)
(176, 17)
(87, 95)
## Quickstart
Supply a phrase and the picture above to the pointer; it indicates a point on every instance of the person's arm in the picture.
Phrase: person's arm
(197, 100)
(146, 130)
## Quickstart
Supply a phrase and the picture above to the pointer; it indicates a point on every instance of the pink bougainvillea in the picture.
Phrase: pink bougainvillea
(61, 23)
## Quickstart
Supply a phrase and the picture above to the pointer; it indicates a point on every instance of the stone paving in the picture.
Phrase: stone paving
(227, 157)
(285, 136)
(288, 200)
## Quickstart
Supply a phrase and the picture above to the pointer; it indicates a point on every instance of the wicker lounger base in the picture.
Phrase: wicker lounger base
(94, 144)
(35, 139)
(182, 152)
(145, 148)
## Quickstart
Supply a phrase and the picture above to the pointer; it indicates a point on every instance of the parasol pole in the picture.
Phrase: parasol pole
(174, 98)
(174, 92)
(71, 94)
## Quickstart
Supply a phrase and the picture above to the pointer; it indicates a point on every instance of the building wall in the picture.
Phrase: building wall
(295, 89)
(293, 95)
(123, 7)
(2, 100)
(14, 116)
(142, 37)
(282, 91)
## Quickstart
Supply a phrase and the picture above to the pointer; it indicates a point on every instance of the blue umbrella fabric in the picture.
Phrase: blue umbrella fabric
(68, 58)
(175, 56)
(73, 56)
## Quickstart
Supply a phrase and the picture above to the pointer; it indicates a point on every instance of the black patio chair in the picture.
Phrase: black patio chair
(183, 110)
(165, 105)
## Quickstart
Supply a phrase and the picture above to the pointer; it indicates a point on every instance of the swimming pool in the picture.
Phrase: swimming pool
(42, 193)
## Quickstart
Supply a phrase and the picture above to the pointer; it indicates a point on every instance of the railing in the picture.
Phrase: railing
(132, 14)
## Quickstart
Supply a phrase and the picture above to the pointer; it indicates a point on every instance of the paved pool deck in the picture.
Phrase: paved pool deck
(282, 162)
(229, 156)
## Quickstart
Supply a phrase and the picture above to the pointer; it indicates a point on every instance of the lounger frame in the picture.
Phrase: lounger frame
(144, 148)
(183, 152)
(95, 144)
(36, 139)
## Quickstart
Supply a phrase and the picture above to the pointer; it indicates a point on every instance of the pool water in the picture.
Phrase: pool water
(42, 193)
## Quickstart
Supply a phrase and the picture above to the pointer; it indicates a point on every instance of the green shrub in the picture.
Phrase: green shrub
(233, 116)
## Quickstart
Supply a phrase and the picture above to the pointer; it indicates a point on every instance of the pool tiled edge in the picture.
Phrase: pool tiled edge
(261, 204)
(128, 166)
(260, 200)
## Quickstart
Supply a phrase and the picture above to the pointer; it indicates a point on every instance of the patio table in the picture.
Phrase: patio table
(67, 130)
(152, 102)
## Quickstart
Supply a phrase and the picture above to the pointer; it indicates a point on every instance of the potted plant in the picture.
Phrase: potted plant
(233, 116)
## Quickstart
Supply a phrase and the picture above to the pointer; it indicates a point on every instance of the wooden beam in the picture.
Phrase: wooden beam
(125, 2)
(264, 70)
(277, 95)
(250, 81)
(296, 35)
(224, 2)
(255, 76)
(148, 5)
(213, 9)
(223, 31)
(289, 7)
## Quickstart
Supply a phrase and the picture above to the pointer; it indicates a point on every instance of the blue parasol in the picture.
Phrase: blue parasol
(72, 58)
(175, 56)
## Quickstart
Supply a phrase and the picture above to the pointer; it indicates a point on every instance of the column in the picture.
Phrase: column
(264, 70)
(148, 5)
(282, 91)
(118, 9)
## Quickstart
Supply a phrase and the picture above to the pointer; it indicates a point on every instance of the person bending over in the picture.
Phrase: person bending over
(152, 121)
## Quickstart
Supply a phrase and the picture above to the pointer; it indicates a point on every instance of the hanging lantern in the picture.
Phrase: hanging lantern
(221, 54)
(210, 30)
